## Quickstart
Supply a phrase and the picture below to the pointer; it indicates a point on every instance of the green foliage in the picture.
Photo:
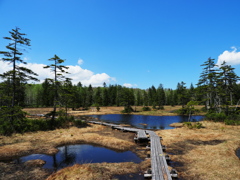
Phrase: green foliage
(146, 108)
(97, 106)
(127, 109)
(231, 119)
(191, 125)
(12, 119)
(161, 107)
(20, 124)
(80, 123)
(182, 111)
(38, 125)
(232, 122)
(216, 117)
(188, 109)
(18, 76)
(154, 106)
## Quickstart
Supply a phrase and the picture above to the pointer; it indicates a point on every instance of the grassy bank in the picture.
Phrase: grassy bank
(47, 142)
(206, 153)
(167, 111)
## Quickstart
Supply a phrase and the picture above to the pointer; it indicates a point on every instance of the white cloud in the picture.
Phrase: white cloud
(230, 57)
(129, 85)
(77, 74)
(80, 61)
(25, 58)
(4, 66)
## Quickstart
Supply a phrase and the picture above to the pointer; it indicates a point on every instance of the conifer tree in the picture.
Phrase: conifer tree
(19, 75)
(16, 79)
(161, 98)
(58, 69)
(207, 82)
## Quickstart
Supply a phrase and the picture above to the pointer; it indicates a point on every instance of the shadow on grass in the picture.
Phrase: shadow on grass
(183, 147)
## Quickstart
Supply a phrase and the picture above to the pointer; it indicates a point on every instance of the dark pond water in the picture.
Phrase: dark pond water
(81, 153)
(131, 176)
(145, 122)
(238, 152)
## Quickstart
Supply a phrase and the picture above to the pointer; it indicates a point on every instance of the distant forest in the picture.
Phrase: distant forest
(76, 96)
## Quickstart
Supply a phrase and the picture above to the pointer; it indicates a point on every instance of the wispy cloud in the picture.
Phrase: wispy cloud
(77, 74)
(230, 57)
(80, 61)
(129, 85)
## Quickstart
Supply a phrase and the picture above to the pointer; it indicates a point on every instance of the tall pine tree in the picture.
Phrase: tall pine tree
(58, 69)
(16, 79)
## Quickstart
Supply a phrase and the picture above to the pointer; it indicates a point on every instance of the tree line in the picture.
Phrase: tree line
(217, 88)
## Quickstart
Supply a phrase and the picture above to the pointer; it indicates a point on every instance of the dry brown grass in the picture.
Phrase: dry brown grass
(26, 171)
(98, 171)
(46, 143)
(167, 111)
(205, 154)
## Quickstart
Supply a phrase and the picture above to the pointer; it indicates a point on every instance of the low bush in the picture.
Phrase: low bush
(146, 108)
(80, 123)
(186, 111)
(161, 107)
(127, 109)
(231, 119)
(21, 124)
(191, 125)
(216, 117)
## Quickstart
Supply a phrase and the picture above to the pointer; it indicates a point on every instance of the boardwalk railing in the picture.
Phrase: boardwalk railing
(159, 168)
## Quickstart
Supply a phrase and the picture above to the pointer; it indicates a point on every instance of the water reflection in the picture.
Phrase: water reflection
(145, 122)
(81, 153)
(238, 152)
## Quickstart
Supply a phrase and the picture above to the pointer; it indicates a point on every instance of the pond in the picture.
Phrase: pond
(145, 122)
(238, 152)
(81, 153)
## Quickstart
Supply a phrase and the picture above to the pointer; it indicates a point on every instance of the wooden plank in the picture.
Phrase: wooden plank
(142, 135)
(159, 165)
(158, 162)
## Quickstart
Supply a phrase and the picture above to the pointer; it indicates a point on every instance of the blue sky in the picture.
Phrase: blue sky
(135, 43)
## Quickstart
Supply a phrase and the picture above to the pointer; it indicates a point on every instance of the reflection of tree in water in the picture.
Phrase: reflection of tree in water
(65, 159)
(55, 166)
(182, 119)
(157, 127)
(161, 127)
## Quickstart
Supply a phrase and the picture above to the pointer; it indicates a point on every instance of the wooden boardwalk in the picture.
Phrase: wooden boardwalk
(159, 167)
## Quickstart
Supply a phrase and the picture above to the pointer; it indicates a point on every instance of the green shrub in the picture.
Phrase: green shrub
(231, 119)
(216, 117)
(182, 111)
(80, 123)
(161, 107)
(229, 122)
(196, 125)
(188, 124)
(127, 109)
(146, 108)
(37, 125)
(12, 120)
